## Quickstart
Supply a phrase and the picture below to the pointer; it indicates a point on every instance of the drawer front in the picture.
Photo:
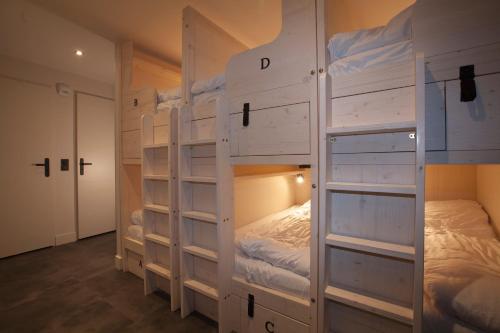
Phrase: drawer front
(474, 125)
(131, 144)
(268, 321)
(134, 264)
(282, 130)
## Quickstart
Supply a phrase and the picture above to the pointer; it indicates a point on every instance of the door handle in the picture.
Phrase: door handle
(82, 166)
(46, 166)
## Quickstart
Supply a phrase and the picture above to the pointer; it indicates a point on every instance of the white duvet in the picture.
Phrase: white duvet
(462, 264)
(281, 239)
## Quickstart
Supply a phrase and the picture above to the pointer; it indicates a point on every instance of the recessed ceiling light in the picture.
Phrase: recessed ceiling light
(78, 53)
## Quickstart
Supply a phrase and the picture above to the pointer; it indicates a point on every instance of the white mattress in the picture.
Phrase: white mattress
(135, 232)
(169, 105)
(274, 251)
(462, 269)
(207, 97)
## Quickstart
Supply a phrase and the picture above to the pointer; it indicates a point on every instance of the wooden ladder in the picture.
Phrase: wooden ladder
(372, 222)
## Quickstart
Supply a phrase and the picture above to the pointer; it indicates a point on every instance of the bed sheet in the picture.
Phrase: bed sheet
(462, 265)
(267, 275)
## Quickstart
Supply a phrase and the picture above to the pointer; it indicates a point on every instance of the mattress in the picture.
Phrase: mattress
(169, 105)
(462, 269)
(356, 51)
(274, 251)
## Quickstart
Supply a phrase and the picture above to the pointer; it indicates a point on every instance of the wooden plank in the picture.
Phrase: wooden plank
(157, 208)
(157, 269)
(372, 128)
(435, 116)
(201, 252)
(133, 245)
(274, 131)
(373, 109)
(372, 188)
(156, 177)
(158, 239)
(374, 143)
(199, 179)
(376, 247)
(386, 309)
(200, 216)
(199, 142)
(202, 288)
(383, 218)
(386, 77)
(474, 125)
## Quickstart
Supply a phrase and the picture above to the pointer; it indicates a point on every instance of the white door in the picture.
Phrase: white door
(27, 113)
(96, 181)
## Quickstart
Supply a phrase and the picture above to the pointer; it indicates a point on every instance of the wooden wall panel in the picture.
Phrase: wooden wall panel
(488, 192)
(450, 182)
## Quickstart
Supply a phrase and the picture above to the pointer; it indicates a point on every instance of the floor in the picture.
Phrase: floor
(75, 288)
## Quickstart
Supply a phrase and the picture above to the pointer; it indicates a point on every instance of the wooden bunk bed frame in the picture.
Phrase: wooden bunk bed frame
(206, 49)
(417, 97)
(272, 120)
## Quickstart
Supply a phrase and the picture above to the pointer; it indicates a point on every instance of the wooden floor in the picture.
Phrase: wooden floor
(75, 288)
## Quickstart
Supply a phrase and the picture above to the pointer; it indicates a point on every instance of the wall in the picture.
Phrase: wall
(449, 182)
(488, 192)
(64, 221)
(349, 15)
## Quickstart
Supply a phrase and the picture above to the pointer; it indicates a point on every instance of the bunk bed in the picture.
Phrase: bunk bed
(271, 114)
(424, 72)
(206, 51)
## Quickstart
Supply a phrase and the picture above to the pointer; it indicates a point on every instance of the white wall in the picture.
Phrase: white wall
(450, 182)
(64, 221)
(33, 34)
(488, 192)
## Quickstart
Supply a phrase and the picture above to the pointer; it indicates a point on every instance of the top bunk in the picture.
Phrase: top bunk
(271, 92)
(372, 76)
(206, 50)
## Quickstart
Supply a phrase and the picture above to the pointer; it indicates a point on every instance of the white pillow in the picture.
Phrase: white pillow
(136, 217)
(398, 29)
(212, 83)
(168, 95)
(479, 303)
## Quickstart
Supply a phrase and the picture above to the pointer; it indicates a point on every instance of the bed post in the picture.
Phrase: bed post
(420, 194)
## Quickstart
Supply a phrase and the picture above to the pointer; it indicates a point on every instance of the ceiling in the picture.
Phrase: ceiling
(155, 25)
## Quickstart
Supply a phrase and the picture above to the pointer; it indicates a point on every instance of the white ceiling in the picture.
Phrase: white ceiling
(155, 25)
(32, 34)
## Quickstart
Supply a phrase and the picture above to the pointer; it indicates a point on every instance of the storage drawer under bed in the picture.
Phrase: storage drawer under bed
(262, 319)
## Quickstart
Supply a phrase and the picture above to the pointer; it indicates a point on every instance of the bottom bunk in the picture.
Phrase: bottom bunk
(133, 245)
(271, 278)
(462, 250)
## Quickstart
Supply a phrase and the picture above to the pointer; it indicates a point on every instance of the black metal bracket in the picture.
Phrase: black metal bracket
(467, 84)
(251, 304)
(246, 114)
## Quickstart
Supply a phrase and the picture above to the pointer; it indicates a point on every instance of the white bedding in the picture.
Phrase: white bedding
(169, 95)
(207, 97)
(135, 232)
(276, 249)
(462, 266)
(355, 51)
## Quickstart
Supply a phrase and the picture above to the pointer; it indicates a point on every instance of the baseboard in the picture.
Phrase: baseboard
(66, 238)
(118, 262)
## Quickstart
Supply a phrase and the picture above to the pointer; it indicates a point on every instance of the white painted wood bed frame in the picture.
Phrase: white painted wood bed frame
(278, 84)
(206, 49)
(373, 167)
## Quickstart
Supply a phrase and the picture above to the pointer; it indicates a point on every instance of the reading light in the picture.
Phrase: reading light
(299, 178)
(78, 53)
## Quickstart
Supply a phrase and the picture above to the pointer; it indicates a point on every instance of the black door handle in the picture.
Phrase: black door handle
(82, 166)
(46, 166)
